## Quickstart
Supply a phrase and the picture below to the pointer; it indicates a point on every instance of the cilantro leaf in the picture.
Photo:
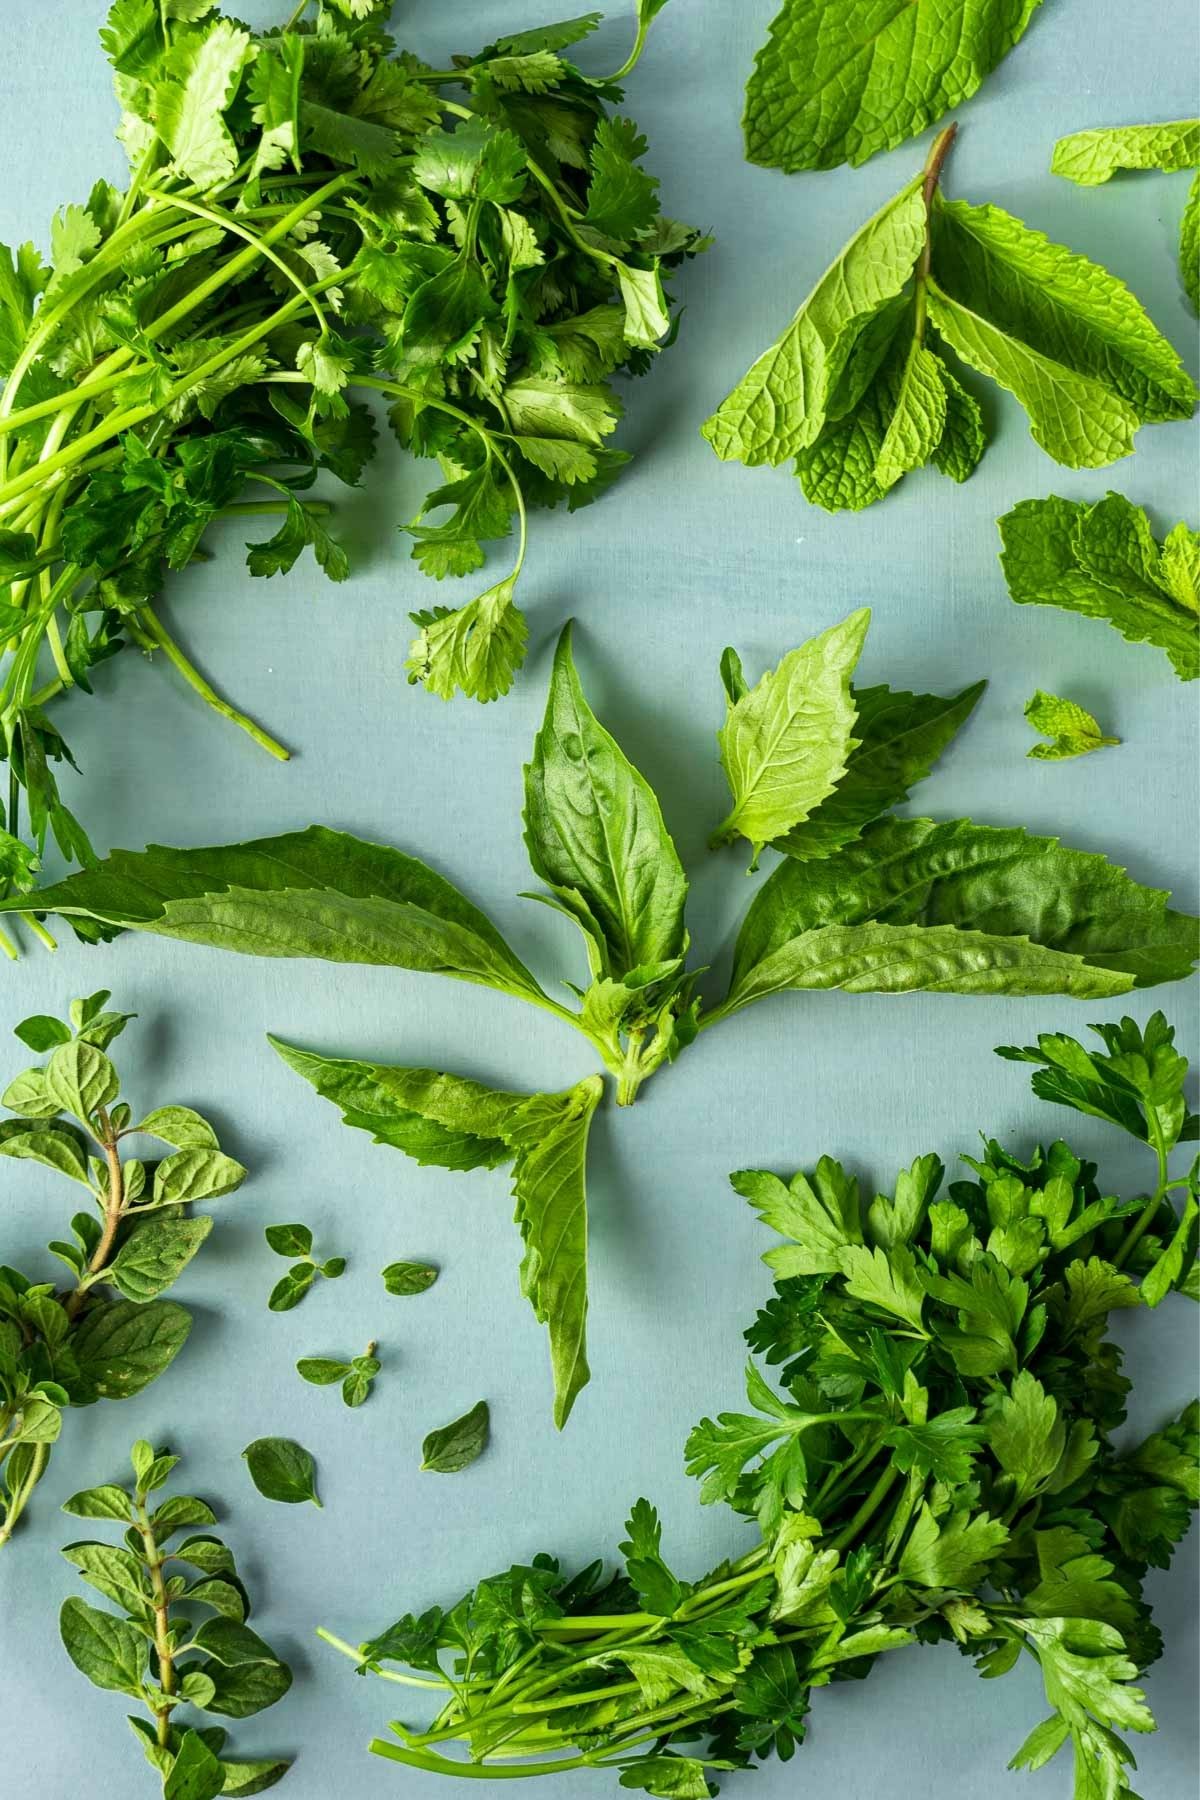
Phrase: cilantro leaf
(1102, 560)
(302, 526)
(657, 1589)
(203, 78)
(839, 80)
(476, 650)
(1073, 730)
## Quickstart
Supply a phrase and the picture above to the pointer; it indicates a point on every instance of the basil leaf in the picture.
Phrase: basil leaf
(785, 744)
(282, 1469)
(595, 834)
(456, 1446)
(314, 893)
(550, 1135)
(435, 1118)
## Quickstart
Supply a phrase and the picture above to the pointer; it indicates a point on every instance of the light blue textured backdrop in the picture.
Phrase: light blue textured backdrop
(685, 556)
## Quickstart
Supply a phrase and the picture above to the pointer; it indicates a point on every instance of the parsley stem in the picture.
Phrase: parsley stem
(155, 629)
(1152, 1205)
(868, 1509)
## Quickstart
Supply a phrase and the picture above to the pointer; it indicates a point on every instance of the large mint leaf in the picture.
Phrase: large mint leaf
(596, 836)
(785, 743)
(962, 908)
(1062, 306)
(1075, 418)
(1093, 157)
(314, 893)
(1102, 561)
(550, 1136)
(839, 80)
(782, 402)
(434, 1118)
(900, 737)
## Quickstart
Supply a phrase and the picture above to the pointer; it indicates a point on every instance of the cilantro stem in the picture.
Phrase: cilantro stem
(346, 1649)
(155, 629)
(227, 223)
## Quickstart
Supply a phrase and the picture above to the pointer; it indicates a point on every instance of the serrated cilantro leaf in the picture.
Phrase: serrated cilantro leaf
(301, 528)
(203, 76)
(1071, 728)
(475, 650)
(622, 198)
(839, 80)
(1093, 157)
(1102, 560)
(785, 743)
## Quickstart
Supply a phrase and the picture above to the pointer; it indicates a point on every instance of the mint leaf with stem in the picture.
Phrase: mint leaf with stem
(1072, 730)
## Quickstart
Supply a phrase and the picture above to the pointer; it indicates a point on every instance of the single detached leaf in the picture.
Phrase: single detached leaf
(839, 80)
(289, 1240)
(781, 404)
(1073, 730)
(595, 832)
(409, 1277)
(1103, 561)
(314, 893)
(456, 1446)
(785, 744)
(1093, 157)
(434, 1118)
(282, 1469)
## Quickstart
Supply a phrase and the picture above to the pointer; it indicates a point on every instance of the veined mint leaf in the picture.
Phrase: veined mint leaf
(1093, 157)
(1073, 730)
(1102, 560)
(595, 834)
(785, 743)
(782, 402)
(918, 423)
(839, 80)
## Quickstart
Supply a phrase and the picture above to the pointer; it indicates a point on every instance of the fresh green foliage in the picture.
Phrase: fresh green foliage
(311, 221)
(1093, 157)
(107, 1334)
(297, 1241)
(158, 1652)
(858, 389)
(932, 1461)
(860, 901)
(357, 1376)
(839, 80)
(409, 1277)
(1103, 560)
(281, 1469)
(456, 1446)
(1073, 730)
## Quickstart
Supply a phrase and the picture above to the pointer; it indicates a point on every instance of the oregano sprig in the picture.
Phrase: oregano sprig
(160, 1651)
(105, 1334)
(297, 1241)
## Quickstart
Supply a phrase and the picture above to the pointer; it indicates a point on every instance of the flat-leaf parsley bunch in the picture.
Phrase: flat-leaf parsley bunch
(934, 1463)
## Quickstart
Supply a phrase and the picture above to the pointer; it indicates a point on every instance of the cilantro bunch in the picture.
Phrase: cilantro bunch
(934, 1462)
(313, 219)
(859, 899)
(105, 1335)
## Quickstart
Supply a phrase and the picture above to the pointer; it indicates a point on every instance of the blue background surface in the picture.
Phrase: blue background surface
(685, 556)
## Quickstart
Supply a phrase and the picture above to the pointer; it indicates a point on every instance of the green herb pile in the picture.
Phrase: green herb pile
(858, 390)
(158, 1653)
(311, 215)
(934, 1464)
(106, 1335)
(861, 900)
(839, 80)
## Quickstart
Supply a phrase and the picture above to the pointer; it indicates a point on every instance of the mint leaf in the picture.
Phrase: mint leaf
(1102, 560)
(1073, 730)
(1093, 157)
(839, 80)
